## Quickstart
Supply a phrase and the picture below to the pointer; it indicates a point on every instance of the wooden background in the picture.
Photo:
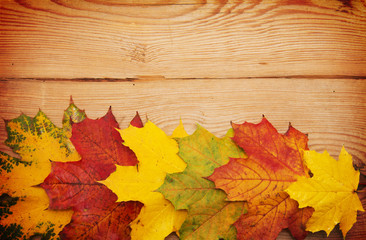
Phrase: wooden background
(207, 62)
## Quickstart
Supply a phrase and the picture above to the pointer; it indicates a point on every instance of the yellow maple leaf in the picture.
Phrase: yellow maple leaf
(157, 155)
(37, 141)
(332, 191)
(179, 132)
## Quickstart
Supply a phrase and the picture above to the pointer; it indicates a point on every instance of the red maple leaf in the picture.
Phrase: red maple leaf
(110, 222)
(273, 149)
(100, 144)
(74, 184)
(274, 162)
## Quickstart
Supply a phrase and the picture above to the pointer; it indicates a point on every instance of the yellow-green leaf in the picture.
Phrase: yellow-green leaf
(7, 162)
(331, 191)
(157, 155)
(210, 215)
(37, 141)
(72, 114)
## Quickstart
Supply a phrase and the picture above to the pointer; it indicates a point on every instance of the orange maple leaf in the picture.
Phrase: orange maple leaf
(274, 162)
(270, 216)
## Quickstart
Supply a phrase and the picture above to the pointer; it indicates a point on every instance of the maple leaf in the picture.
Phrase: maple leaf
(263, 142)
(267, 218)
(331, 191)
(108, 222)
(72, 115)
(274, 162)
(74, 184)
(8, 162)
(101, 147)
(136, 121)
(358, 231)
(209, 214)
(179, 132)
(157, 155)
(36, 140)
(151, 143)
(99, 144)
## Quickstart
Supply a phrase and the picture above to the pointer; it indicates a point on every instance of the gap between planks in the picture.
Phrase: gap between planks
(160, 78)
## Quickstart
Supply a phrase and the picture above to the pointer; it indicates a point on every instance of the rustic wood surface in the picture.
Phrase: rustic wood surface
(179, 39)
(206, 62)
(331, 111)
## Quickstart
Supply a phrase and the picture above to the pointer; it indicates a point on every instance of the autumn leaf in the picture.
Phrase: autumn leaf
(151, 143)
(157, 219)
(7, 163)
(262, 141)
(72, 115)
(179, 132)
(203, 152)
(157, 155)
(331, 191)
(37, 141)
(99, 144)
(74, 184)
(358, 231)
(248, 179)
(12, 230)
(108, 222)
(136, 121)
(209, 214)
(212, 217)
(274, 162)
(267, 218)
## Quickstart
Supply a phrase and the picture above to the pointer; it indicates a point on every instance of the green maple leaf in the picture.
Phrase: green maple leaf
(210, 216)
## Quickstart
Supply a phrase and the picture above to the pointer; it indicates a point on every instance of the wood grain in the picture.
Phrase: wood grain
(331, 111)
(182, 39)
(204, 61)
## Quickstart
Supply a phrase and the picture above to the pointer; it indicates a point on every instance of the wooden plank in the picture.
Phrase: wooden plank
(332, 111)
(182, 39)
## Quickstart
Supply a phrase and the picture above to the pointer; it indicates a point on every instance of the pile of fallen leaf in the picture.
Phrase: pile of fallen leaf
(92, 180)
